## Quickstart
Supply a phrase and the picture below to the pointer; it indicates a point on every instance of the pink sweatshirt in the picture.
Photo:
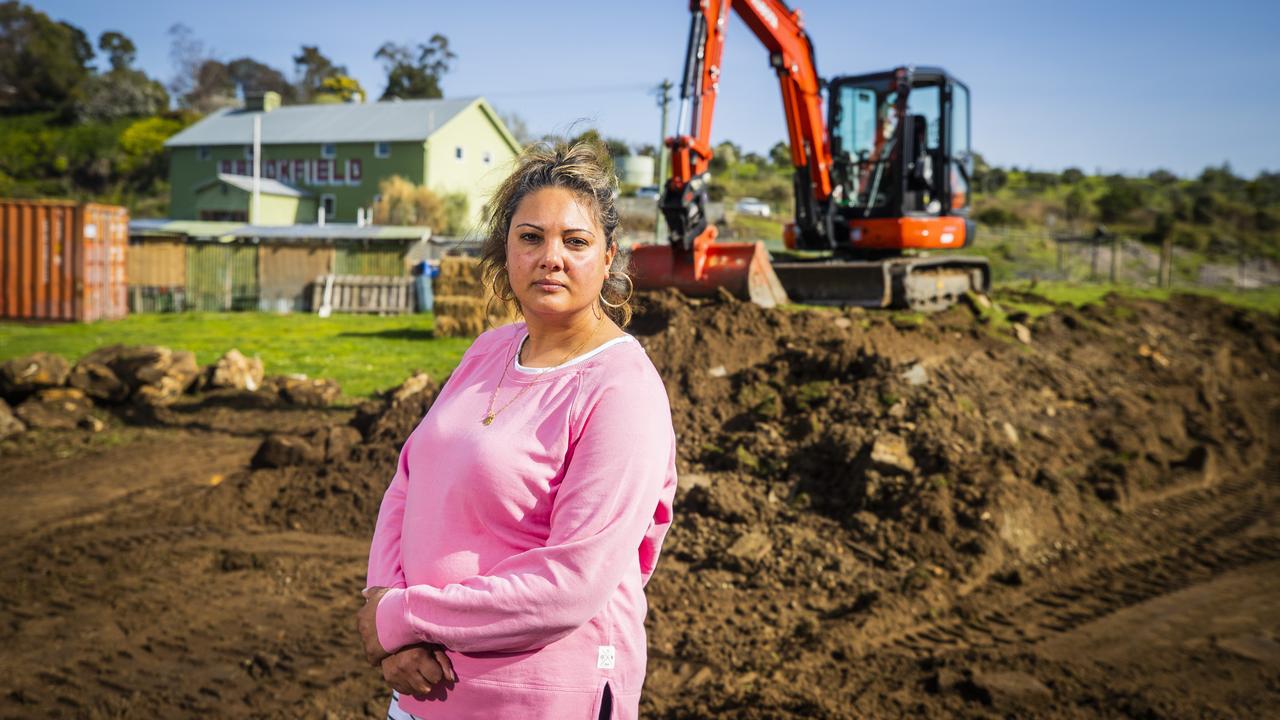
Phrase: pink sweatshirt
(524, 547)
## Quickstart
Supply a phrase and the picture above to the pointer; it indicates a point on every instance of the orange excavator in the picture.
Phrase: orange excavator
(881, 179)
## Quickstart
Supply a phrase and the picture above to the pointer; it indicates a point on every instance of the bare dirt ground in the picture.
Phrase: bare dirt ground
(880, 516)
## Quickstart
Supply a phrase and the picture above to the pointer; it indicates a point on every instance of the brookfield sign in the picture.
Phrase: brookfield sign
(301, 172)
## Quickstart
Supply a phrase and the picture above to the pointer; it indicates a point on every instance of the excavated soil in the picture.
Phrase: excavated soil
(880, 515)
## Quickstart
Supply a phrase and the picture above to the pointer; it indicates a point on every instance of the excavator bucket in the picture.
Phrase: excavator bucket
(742, 269)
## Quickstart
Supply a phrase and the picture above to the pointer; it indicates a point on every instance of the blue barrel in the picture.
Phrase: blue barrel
(424, 274)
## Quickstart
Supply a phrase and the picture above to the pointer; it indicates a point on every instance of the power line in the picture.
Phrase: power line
(592, 90)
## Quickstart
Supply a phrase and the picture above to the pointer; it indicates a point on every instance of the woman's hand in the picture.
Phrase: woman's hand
(367, 624)
(414, 670)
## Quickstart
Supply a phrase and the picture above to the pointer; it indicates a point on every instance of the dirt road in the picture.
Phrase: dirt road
(1116, 555)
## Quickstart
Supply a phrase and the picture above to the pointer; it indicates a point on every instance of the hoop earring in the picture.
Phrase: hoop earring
(631, 290)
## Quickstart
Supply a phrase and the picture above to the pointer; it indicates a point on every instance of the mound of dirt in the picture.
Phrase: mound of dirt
(862, 470)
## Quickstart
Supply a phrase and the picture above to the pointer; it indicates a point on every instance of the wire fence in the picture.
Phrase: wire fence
(1036, 254)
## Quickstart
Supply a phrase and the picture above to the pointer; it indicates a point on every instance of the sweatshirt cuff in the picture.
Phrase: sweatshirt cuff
(392, 620)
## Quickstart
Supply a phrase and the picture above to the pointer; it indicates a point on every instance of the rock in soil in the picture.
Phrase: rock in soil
(9, 423)
(234, 370)
(54, 409)
(23, 376)
(1010, 691)
(317, 392)
(98, 381)
(279, 451)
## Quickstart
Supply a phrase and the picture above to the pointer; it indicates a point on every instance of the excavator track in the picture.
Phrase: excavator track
(925, 284)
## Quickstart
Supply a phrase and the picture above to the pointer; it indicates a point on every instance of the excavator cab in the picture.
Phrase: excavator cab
(900, 170)
(900, 160)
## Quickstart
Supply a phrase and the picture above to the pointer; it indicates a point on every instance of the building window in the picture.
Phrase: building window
(330, 205)
(382, 149)
(328, 150)
(457, 153)
(202, 152)
(487, 158)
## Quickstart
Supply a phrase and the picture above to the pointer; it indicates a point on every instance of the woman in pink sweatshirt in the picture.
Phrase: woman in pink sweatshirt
(528, 508)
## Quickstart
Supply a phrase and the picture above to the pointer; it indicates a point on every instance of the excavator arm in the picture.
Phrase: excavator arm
(781, 30)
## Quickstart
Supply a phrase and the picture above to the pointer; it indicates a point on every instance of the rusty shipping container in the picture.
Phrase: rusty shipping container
(62, 260)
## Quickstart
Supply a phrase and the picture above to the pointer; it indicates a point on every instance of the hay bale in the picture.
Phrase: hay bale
(458, 276)
(458, 316)
(462, 306)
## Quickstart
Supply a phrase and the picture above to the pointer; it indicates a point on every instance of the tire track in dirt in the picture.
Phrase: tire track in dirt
(1204, 533)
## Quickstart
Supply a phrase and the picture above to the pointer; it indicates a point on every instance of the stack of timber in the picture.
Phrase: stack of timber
(463, 306)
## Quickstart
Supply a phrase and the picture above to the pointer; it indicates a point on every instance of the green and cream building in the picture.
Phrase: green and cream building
(333, 156)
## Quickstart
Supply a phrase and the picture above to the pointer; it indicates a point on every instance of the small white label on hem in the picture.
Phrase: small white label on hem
(605, 657)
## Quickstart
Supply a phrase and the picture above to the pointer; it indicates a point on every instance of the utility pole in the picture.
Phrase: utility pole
(663, 93)
(257, 168)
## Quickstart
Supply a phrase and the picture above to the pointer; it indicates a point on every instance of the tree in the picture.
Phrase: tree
(213, 88)
(617, 148)
(41, 61)
(780, 155)
(312, 68)
(120, 50)
(119, 94)
(411, 76)
(188, 55)
(1072, 175)
(251, 77)
(1075, 205)
(401, 202)
(340, 89)
(122, 91)
(1121, 197)
(142, 147)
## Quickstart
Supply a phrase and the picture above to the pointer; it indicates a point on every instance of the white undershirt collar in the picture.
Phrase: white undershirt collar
(572, 361)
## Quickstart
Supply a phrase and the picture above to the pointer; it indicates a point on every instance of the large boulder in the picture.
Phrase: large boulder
(20, 377)
(337, 441)
(283, 450)
(98, 381)
(234, 370)
(55, 408)
(9, 423)
(299, 390)
(176, 378)
(149, 374)
(398, 412)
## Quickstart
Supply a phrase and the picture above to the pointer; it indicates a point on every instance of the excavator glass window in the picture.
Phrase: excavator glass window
(865, 137)
(894, 156)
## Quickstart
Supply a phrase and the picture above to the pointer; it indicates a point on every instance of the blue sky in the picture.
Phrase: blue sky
(1116, 86)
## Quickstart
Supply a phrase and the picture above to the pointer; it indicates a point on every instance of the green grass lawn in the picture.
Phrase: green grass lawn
(364, 354)
(1265, 300)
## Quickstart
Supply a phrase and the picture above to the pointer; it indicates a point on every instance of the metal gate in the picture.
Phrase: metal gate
(222, 276)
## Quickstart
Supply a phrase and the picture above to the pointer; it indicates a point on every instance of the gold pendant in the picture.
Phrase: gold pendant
(488, 420)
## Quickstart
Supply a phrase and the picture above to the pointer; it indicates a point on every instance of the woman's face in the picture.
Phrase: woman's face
(556, 255)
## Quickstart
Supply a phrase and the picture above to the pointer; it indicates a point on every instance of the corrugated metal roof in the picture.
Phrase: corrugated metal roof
(285, 233)
(333, 231)
(266, 186)
(332, 123)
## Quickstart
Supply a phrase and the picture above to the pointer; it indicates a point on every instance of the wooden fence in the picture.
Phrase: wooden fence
(379, 295)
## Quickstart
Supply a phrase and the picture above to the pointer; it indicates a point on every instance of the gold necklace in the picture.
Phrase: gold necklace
(490, 413)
